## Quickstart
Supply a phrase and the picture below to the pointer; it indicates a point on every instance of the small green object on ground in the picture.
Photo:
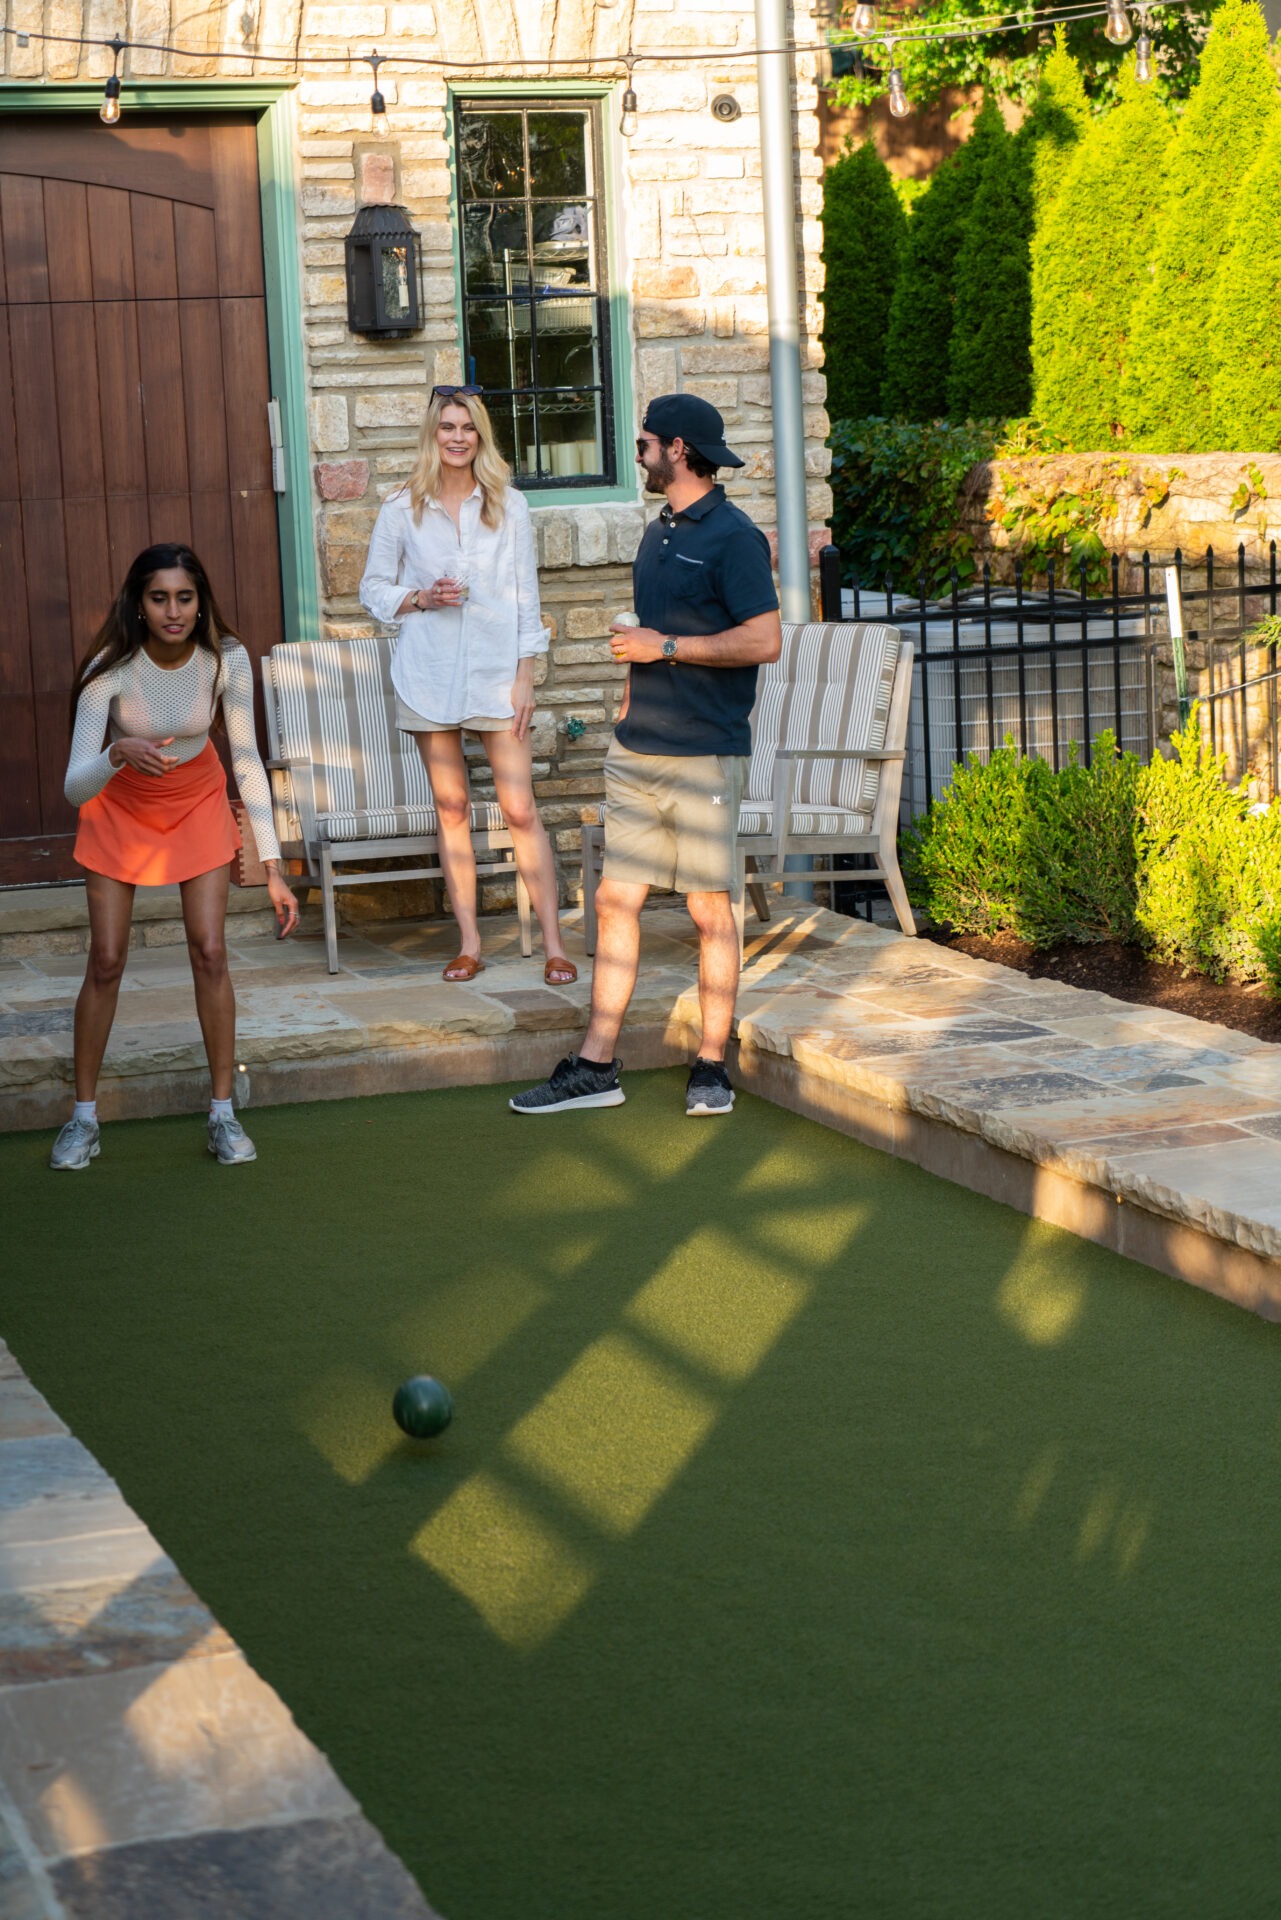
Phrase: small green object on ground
(422, 1407)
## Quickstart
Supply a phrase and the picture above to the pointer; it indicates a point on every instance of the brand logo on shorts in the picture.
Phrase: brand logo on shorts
(718, 799)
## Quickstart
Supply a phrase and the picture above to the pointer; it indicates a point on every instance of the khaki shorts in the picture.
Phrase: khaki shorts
(671, 820)
(410, 722)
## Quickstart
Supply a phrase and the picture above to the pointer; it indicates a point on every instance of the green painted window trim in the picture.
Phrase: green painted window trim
(278, 188)
(620, 298)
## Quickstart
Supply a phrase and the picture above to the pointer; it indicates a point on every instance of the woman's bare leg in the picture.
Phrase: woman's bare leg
(447, 770)
(204, 914)
(110, 917)
(512, 762)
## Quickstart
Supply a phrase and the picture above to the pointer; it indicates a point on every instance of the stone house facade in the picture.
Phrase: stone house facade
(643, 268)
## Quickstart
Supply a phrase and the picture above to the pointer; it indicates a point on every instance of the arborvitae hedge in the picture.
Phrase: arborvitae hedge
(1056, 121)
(989, 359)
(1090, 261)
(921, 310)
(1245, 407)
(1166, 389)
(864, 227)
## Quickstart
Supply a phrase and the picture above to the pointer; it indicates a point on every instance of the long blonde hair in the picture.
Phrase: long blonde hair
(493, 475)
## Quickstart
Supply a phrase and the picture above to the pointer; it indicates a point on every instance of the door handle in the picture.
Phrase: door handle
(279, 470)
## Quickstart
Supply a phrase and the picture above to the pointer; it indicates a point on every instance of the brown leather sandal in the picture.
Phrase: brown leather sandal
(558, 964)
(465, 967)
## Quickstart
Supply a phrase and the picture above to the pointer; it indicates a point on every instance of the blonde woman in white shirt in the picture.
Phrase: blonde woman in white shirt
(451, 563)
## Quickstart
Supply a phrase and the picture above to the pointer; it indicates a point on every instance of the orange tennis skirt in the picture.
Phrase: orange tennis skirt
(153, 831)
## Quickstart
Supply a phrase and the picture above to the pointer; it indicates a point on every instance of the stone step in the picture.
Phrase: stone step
(55, 920)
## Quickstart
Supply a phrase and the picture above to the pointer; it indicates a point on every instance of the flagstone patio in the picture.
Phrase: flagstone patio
(1146, 1130)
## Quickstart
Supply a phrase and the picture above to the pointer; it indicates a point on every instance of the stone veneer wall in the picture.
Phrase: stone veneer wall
(689, 229)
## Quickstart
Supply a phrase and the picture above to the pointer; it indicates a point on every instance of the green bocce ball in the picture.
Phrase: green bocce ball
(422, 1407)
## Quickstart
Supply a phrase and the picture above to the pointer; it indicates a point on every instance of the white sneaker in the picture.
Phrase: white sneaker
(75, 1146)
(229, 1143)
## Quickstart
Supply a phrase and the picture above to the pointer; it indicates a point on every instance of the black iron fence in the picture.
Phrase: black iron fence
(1053, 668)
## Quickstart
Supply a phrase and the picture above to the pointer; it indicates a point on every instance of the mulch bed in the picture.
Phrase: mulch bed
(1127, 974)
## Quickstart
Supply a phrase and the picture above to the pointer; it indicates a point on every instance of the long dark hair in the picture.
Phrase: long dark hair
(125, 627)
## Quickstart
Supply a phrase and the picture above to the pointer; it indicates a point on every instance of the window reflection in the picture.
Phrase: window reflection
(534, 312)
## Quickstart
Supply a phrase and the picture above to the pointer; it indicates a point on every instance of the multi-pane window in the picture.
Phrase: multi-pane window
(535, 307)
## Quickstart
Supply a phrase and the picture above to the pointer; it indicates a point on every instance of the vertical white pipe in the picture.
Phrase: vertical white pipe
(774, 75)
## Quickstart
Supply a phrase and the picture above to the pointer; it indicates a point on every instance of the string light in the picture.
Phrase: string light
(900, 105)
(1143, 49)
(377, 105)
(629, 118)
(109, 111)
(1117, 28)
(864, 19)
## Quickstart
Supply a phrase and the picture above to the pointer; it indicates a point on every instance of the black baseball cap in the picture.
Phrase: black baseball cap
(683, 416)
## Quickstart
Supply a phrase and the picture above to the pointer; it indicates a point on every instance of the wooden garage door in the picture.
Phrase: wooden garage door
(133, 408)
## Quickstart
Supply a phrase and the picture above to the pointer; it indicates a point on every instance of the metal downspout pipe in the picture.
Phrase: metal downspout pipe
(774, 79)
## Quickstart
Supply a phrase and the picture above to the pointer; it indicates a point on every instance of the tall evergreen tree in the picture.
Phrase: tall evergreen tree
(1056, 121)
(1245, 382)
(1166, 388)
(989, 356)
(921, 310)
(864, 228)
(1091, 258)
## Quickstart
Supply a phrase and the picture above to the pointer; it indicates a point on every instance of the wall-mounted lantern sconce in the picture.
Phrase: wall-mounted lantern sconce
(382, 273)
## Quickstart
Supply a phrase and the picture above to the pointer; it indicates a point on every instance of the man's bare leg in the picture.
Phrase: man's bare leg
(718, 966)
(618, 911)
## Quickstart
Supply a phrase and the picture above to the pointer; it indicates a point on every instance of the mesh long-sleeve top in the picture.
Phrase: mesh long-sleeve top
(141, 701)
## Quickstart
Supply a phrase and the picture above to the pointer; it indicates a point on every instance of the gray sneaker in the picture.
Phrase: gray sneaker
(76, 1145)
(229, 1142)
(709, 1089)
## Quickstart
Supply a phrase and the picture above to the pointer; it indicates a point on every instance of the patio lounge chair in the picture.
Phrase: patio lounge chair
(829, 733)
(349, 788)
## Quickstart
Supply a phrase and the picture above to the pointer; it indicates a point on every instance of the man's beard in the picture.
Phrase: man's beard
(660, 476)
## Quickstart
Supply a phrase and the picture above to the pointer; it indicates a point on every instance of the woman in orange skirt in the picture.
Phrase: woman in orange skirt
(154, 812)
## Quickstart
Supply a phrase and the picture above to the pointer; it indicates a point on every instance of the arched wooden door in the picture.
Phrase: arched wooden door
(134, 388)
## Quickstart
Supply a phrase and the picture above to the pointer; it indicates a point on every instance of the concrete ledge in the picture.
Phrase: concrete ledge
(1234, 1273)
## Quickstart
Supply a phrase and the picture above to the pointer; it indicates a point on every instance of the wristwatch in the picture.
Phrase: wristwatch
(669, 648)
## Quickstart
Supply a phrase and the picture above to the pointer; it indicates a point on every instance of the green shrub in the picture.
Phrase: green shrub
(1014, 847)
(989, 368)
(1209, 870)
(1245, 391)
(920, 326)
(1084, 280)
(1166, 388)
(895, 492)
(1169, 855)
(864, 227)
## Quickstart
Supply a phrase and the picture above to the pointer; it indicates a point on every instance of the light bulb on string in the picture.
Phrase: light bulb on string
(900, 105)
(1117, 28)
(629, 118)
(864, 19)
(109, 111)
(1143, 51)
(377, 104)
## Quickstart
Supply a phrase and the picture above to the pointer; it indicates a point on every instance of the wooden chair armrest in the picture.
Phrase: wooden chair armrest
(839, 753)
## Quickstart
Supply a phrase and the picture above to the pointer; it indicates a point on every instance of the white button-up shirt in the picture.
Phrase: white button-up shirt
(458, 664)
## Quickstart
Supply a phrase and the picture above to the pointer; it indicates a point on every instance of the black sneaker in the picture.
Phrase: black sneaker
(573, 1084)
(709, 1089)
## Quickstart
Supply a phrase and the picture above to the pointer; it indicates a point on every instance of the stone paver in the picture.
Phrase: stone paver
(145, 1769)
(1172, 1114)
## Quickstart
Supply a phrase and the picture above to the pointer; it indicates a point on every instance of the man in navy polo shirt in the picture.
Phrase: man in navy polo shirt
(676, 768)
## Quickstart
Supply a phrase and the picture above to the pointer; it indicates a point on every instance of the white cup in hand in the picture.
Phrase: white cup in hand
(627, 619)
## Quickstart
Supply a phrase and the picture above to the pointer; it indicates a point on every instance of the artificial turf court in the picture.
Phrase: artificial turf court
(814, 1538)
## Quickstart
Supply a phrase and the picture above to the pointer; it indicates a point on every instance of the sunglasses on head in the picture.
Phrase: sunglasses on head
(456, 393)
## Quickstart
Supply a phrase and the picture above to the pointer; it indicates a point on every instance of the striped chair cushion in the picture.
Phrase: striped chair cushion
(336, 710)
(395, 822)
(830, 687)
(833, 822)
